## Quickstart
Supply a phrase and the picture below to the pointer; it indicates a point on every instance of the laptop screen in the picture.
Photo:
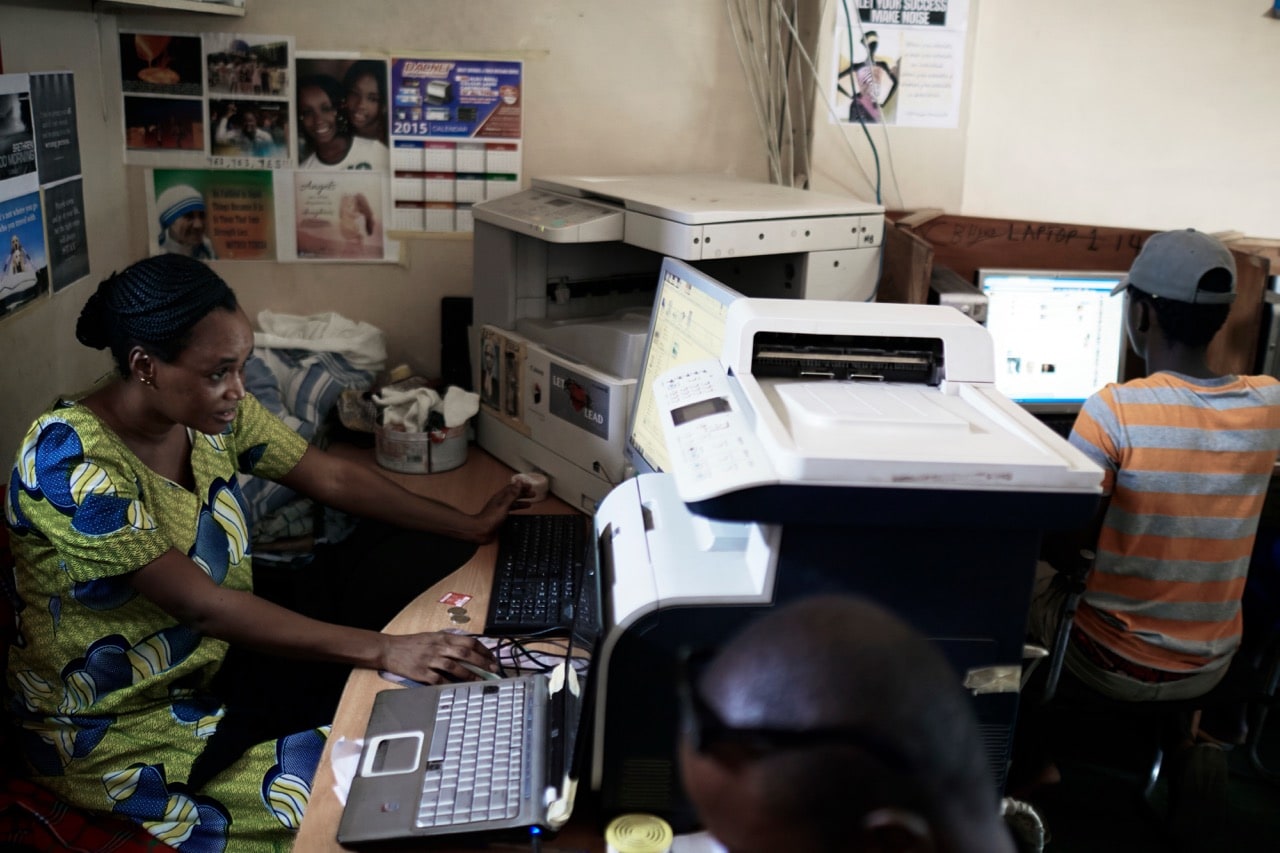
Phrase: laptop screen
(1058, 335)
(686, 324)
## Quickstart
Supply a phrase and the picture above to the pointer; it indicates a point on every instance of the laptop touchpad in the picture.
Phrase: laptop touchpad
(391, 754)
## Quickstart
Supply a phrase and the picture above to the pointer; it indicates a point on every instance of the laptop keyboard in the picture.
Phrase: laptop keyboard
(475, 766)
(536, 574)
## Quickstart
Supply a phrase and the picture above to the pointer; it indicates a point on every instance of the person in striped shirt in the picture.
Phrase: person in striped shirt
(1188, 454)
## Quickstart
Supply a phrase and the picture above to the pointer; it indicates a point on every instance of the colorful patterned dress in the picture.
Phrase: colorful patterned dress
(111, 694)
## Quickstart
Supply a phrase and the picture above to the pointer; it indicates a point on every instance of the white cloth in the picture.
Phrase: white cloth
(459, 406)
(407, 408)
(410, 408)
(363, 345)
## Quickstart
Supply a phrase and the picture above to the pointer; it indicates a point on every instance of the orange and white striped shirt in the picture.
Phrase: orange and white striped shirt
(1187, 463)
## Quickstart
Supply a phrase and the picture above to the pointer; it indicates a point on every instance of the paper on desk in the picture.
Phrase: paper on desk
(344, 759)
(697, 842)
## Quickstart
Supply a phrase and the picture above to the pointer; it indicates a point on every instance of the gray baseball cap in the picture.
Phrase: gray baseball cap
(1178, 265)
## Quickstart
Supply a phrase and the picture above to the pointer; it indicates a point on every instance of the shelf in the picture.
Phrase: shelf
(171, 6)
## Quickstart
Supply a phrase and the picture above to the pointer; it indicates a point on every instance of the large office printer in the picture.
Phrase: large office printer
(835, 447)
(564, 277)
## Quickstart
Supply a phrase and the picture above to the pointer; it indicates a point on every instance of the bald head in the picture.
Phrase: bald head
(902, 750)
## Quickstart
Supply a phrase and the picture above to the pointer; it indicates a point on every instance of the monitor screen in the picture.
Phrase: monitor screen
(686, 324)
(1058, 335)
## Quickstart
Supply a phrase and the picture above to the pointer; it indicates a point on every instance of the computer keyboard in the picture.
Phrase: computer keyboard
(536, 574)
(475, 767)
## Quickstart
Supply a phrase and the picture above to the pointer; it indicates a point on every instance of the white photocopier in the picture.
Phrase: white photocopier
(834, 447)
(564, 279)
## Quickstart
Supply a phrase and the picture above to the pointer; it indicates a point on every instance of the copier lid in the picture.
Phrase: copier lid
(706, 199)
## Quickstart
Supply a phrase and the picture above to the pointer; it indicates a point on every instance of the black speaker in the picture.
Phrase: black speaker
(455, 352)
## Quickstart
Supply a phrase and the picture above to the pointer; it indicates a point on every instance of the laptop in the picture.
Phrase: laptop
(529, 731)
(686, 324)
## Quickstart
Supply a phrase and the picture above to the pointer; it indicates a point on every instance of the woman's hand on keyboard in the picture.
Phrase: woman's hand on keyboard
(514, 495)
(436, 657)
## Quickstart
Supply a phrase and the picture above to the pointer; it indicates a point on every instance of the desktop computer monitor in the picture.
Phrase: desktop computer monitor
(1058, 335)
(686, 324)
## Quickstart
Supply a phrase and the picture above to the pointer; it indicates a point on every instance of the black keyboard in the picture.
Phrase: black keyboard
(1059, 422)
(536, 574)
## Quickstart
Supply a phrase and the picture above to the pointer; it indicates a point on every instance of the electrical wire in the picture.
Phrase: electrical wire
(746, 23)
(888, 151)
(813, 70)
(853, 78)
(828, 102)
(514, 657)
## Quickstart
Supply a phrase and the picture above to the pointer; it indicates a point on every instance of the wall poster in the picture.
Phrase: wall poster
(221, 100)
(456, 137)
(42, 224)
(212, 214)
(53, 110)
(899, 62)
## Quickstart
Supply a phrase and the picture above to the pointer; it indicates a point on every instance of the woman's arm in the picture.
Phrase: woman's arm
(178, 586)
(359, 490)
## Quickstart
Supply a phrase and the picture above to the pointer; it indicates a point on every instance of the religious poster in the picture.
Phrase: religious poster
(213, 214)
(339, 215)
(900, 62)
(456, 137)
(24, 274)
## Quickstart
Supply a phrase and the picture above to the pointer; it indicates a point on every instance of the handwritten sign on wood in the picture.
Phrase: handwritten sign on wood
(966, 244)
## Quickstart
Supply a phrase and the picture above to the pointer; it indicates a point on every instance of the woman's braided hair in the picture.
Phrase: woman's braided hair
(153, 304)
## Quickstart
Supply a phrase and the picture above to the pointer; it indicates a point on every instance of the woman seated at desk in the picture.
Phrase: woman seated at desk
(133, 577)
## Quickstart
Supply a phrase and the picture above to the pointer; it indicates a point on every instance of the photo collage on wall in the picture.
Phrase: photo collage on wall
(42, 223)
(354, 151)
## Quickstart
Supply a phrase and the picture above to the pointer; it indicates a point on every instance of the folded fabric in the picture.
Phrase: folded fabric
(362, 344)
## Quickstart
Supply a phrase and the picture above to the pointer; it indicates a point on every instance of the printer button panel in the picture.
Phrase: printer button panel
(714, 448)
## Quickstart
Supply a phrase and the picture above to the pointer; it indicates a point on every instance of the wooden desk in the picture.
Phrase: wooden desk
(467, 487)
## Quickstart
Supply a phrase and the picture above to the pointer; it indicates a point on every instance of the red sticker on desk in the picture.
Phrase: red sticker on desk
(455, 599)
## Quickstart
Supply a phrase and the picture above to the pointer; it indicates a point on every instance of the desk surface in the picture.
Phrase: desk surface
(467, 487)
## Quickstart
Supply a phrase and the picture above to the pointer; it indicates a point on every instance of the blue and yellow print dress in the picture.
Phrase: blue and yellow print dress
(111, 694)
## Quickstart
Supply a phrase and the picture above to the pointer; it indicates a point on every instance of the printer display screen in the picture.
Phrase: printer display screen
(1058, 335)
(687, 324)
